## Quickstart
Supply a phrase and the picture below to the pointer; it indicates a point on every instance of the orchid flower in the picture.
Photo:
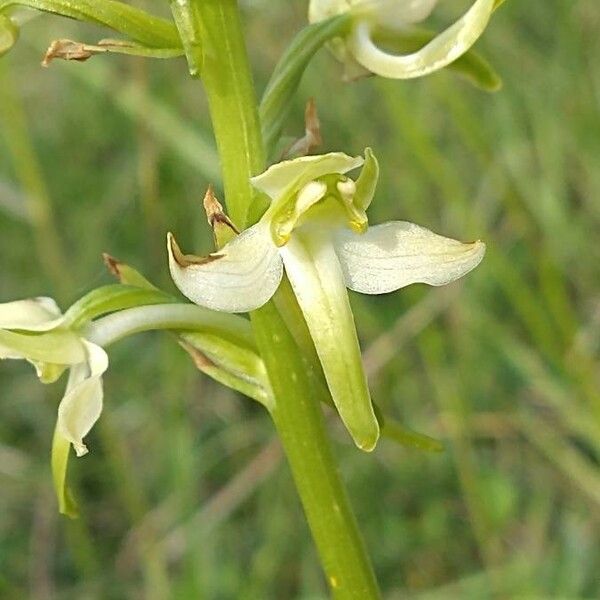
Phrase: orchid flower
(36, 331)
(316, 228)
(372, 18)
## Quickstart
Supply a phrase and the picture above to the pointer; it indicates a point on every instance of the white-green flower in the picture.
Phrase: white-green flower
(317, 229)
(373, 20)
(34, 330)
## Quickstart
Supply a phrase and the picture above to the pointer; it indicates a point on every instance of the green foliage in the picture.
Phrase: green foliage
(182, 495)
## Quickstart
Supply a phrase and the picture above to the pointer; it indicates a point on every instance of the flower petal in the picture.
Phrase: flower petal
(33, 314)
(440, 52)
(241, 277)
(314, 272)
(290, 175)
(82, 403)
(393, 255)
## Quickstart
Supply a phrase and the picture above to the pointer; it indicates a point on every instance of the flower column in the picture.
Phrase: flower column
(296, 414)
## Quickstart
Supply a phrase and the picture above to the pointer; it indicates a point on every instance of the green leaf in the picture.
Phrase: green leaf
(280, 91)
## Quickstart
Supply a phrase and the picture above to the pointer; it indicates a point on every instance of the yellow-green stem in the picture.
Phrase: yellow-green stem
(297, 415)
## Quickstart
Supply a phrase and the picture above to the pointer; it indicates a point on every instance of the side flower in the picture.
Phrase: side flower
(376, 22)
(317, 229)
(34, 330)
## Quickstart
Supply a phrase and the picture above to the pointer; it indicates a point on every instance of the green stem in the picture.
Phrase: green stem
(297, 414)
(301, 427)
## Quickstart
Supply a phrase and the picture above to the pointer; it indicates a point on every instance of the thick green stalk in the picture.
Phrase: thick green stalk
(297, 414)
(301, 427)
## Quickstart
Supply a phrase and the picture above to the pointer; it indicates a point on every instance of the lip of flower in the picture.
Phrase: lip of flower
(33, 330)
(316, 228)
(360, 46)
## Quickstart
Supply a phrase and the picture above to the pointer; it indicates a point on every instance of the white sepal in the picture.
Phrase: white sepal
(393, 255)
(240, 277)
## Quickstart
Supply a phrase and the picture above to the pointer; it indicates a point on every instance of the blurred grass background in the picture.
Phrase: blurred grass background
(184, 493)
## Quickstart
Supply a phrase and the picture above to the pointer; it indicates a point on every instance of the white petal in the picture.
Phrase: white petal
(296, 173)
(314, 272)
(82, 403)
(34, 314)
(440, 52)
(393, 255)
(242, 277)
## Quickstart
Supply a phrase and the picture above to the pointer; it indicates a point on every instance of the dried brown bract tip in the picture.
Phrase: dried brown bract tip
(214, 211)
(112, 264)
(68, 50)
(312, 136)
(224, 230)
